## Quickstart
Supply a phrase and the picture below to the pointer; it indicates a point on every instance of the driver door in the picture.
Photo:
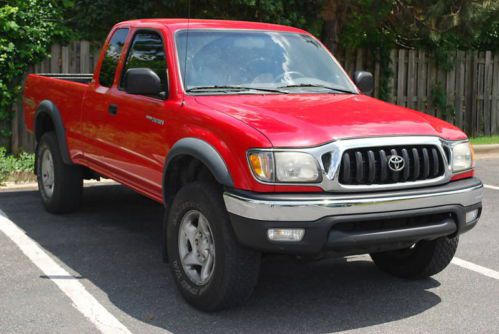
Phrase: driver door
(140, 122)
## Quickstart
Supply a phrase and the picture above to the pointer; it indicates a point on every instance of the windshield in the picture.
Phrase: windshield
(232, 61)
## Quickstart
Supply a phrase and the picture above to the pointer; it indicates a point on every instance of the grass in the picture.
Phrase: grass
(485, 140)
(17, 168)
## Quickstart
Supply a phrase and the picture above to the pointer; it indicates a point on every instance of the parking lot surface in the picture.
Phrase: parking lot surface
(109, 270)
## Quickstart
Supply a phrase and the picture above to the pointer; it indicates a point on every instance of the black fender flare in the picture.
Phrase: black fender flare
(205, 153)
(49, 109)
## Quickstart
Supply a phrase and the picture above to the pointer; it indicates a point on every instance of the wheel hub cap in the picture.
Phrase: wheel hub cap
(47, 171)
(196, 247)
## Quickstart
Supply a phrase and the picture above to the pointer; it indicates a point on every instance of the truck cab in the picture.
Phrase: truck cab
(256, 141)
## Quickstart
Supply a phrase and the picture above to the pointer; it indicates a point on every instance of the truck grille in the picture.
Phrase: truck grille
(375, 165)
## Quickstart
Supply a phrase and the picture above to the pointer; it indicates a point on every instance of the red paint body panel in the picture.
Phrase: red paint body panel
(132, 150)
(314, 119)
(67, 96)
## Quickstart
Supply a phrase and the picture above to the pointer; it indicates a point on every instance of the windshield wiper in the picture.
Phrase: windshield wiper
(318, 86)
(233, 88)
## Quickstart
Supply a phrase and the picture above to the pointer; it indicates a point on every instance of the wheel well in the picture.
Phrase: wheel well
(182, 170)
(44, 123)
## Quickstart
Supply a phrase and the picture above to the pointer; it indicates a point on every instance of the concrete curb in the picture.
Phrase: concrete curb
(489, 151)
(489, 148)
(10, 186)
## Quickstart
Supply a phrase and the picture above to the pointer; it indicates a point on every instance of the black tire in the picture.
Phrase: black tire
(65, 195)
(236, 268)
(425, 259)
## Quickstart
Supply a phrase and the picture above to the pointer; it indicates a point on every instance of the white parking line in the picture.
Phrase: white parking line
(476, 268)
(491, 187)
(82, 300)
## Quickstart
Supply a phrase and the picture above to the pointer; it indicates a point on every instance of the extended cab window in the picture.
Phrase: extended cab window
(147, 51)
(112, 57)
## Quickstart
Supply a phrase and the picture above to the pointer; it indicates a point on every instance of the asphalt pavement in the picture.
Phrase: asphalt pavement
(110, 250)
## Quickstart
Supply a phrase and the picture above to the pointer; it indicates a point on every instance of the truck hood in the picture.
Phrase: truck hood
(313, 119)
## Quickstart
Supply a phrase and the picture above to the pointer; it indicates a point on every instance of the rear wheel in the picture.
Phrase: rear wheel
(60, 185)
(425, 258)
(211, 269)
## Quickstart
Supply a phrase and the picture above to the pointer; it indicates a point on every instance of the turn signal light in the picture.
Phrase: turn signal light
(262, 165)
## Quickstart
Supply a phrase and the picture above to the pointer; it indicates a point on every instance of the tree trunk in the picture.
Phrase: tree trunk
(332, 13)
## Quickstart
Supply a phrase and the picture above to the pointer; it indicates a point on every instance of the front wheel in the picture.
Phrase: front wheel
(211, 269)
(424, 259)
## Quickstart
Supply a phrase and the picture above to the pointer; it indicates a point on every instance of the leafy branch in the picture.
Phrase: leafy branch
(29, 28)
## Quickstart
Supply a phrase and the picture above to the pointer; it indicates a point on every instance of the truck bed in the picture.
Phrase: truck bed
(65, 91)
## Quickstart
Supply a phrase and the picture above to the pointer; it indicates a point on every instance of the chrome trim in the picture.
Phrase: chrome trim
(330, 180)
(311, 208)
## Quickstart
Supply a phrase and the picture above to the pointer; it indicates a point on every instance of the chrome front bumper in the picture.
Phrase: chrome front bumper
(311, 207)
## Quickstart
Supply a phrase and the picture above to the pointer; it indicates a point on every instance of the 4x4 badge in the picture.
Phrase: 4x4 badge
(396, 163)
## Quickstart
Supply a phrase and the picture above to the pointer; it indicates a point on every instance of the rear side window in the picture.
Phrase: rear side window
(112, 57)
(147, 51)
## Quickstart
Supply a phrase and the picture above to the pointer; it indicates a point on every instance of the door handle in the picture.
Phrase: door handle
(113, 109)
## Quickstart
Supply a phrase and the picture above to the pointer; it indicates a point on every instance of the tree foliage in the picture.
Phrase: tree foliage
(428, 24)
(424, 24)
(438, 26)
(434, 25)
(93, 18)
(29, 27)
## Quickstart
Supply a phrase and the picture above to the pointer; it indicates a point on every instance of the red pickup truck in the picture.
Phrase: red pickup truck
(256, 141)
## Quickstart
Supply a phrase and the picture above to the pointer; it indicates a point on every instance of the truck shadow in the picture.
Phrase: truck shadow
(114, 243)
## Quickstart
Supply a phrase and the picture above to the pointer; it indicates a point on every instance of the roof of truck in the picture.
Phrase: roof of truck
(179, 24)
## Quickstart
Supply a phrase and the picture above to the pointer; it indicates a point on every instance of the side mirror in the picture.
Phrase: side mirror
(364, 81)
(142, 81)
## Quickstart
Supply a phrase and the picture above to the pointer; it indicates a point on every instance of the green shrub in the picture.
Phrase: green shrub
(28, 29)
(10, 165)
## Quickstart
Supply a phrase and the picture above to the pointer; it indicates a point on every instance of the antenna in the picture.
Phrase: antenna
(184, 77)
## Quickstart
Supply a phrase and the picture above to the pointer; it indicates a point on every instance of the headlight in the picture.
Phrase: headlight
(462, 157)
(285, 167)
(296, 167)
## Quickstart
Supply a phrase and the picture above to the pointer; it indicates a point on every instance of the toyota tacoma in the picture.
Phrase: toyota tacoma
(256, 142)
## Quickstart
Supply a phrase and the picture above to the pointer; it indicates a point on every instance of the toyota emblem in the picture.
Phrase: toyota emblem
(396, 163)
